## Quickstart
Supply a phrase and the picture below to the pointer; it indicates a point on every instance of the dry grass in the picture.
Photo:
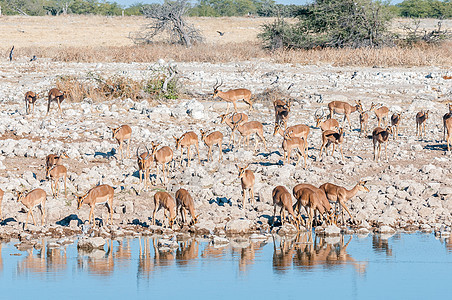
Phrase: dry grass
(105, 39)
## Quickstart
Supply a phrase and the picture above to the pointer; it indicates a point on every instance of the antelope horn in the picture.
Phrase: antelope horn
(149, 152)
(317, 115)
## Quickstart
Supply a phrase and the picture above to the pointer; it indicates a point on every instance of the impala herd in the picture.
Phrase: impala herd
(322, 203)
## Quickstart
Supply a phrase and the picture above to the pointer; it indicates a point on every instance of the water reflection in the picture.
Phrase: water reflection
(380, 244)
(97, 261)
(44, 260)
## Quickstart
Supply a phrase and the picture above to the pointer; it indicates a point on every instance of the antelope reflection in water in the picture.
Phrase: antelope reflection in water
(380, 244)
(247, 253)
(302, 255)
(163, 257)
(97, 261)
(43, 260)
(187, 252)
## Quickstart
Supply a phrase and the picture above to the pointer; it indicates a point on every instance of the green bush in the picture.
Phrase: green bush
(425, 9)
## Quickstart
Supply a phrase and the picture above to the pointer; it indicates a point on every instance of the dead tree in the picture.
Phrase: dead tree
(168, 18)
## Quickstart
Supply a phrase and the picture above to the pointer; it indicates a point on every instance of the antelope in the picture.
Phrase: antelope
(364, 118)
(1, 199)
(247, 179)
(58, 96)
(421, 118)
(339, 195)
(54, 173)
(282, 110)
(236, 118)
(395, 123)
(312, 199)
(300, 131)
(163, 199)
(343, 108)
(122, 133)
(249, 128)
(144, 161)
(161, 156)
(283, 199)
(381, 113)
(184, 201)
(186, 141)
(34, 198)
(445, 117)
(30, 99)
(214, 138)
(289, 143)
(380, 136)
(101, 194)
(332, 137)
(233, 96)
(328, 124)
(448, 125)
(53, 159)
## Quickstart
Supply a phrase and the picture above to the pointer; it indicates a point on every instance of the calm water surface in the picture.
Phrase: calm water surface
(404, 266)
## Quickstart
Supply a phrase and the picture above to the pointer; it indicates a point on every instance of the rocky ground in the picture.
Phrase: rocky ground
(412, 190)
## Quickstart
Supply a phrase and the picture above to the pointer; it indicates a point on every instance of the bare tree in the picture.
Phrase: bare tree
(168, 18)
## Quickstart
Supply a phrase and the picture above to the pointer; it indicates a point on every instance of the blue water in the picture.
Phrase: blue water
(405, 266)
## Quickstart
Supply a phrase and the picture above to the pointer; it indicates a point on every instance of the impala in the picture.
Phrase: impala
(380, 136)
(381, 113)
(57, 96)
(164, 200)
(101, 194)
(283, 199)
(187, 140)
(214, 138)
(343, 108)
(231, 121)
(448, 125)
(282, 110)
(445, 117)
(247, 180)
(144, 161)
(290, 143)
(300, 131)
(395, 123)
(54, 159)
(184, 201)
(233, 96)
(36, 197)
(161, 156)
(54, 173)
(328, 124)
(421, 119)
(363, 119)
(121, 134)
(312, 199)
(249, 128)
(30, 99)
(332, 137)
(339, 195)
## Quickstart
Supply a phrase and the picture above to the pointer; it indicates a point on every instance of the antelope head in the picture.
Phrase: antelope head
(195, 219)
(203, 134)
(359, 105)
(242, 170)
(80, 200)
(362, 186)
(215, 88)
(20, 195)
(178, 141)
(114, 132)
(318, 117)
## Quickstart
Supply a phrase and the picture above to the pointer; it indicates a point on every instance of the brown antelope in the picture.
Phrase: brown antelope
(249, 128)
(283, 199)
(364, 118)
(421, 119)
(214, 138)
(184, 201)
(58, 96)
(54, 159)
(332, 137)
(312, 199)
(54, 173)
(328, 124)
(282, 110)
(30, 99)
(343, 108)
(290, 143)
(233, 96)
(247, 179)
(186, 141)
(381, 113)
(164, 200)
(395, 123)
(122, 133)
(101, 194)
(236, 118)
(448, 125)
(34, 198)
(380, 136)
(1, 199)
(339, 195)
(161, 156)
(445, 117)
(144, 161)
(300, 131)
